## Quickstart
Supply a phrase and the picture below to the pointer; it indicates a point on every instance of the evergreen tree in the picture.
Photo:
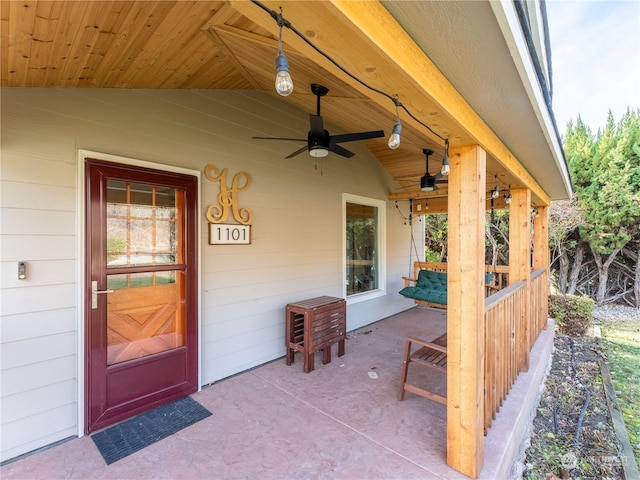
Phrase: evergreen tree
(606, 174)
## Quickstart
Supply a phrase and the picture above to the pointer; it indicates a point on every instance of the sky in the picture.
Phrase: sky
(595, 57)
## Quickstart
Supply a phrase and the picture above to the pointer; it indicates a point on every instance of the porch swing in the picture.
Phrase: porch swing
(428, 285)
(430, 289)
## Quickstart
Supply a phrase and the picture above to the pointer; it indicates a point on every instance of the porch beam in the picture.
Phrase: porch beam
(391, 40)
(520, 265)
(382, 53)
(440, 202)
(429, 206)
(465, 310)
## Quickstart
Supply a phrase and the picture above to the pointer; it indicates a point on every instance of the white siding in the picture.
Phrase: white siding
(296, 234)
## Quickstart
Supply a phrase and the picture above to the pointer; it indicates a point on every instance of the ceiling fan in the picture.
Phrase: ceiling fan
(428, 182)
(319, 142)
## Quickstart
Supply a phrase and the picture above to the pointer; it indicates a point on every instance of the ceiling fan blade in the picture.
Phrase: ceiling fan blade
(317, 125)
(440, 178)
(352, 137)
(280, 138)
(341, 150)
(298, 152)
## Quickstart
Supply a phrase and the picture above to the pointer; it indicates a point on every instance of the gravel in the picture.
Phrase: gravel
(616, 312)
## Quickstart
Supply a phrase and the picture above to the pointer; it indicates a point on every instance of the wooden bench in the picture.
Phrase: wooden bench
(432, 355)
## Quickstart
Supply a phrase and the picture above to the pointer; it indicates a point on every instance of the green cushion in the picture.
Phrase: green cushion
(435, 296)
(431, 286)
(432, 296)
(431, 279)
(426, 295)
(408, 292)
(422, 278)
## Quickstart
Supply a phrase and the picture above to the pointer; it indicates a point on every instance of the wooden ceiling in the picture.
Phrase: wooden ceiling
(222, 45)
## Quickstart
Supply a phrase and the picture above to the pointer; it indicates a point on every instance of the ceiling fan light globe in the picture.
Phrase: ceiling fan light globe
(318, 152)
(427, 183)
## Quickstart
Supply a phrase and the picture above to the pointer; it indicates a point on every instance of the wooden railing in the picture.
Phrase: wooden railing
(513, 321)
(509, 337)
(539, 303)
(504, 315)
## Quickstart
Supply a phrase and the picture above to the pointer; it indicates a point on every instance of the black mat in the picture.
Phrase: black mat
(128, 437)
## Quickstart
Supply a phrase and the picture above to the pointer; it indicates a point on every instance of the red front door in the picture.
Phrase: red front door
(141, 290)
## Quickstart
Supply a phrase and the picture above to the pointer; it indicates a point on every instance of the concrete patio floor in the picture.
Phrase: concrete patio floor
(337, 422)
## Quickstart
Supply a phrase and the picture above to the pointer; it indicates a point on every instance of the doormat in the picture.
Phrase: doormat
(130, 436)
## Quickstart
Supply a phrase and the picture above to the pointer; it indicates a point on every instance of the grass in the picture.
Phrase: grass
(622, 346)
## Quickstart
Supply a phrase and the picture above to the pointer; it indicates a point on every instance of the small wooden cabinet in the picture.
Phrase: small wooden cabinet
(313, 325)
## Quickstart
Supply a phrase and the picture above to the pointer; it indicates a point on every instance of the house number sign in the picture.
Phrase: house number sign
(220, 231)
(229, 234)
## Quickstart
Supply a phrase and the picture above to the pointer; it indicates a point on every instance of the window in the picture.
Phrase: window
(364, 245)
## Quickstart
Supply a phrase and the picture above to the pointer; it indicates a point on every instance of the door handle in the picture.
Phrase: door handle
(95, 292)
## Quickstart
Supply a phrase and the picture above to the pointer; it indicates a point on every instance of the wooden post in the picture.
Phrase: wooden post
(541, 255)
(465, 311)
(520, 266)
(541, 238)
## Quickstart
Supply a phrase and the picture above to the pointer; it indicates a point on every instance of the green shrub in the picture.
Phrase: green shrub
(573, 314)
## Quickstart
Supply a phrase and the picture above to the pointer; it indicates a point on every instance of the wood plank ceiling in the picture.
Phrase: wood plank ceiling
(211, 45)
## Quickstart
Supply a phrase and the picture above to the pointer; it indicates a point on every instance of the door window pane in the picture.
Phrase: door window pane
(145, 314)
(142, 224)
(362, 233)
(145, 279)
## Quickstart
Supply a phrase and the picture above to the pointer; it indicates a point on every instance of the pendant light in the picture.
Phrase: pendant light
(394, 138)
(496, 191)
(445, 161)
(284, 84)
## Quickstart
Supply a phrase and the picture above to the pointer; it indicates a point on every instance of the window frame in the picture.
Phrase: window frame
(381, 267)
